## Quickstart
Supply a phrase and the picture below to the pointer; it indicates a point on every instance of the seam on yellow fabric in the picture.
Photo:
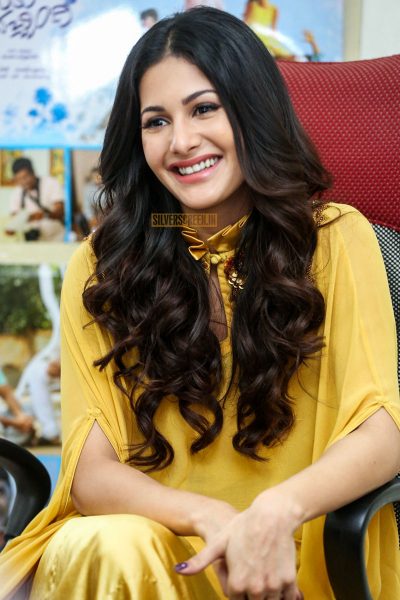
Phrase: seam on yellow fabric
(362, 417)
(72, 464)
(94, 414)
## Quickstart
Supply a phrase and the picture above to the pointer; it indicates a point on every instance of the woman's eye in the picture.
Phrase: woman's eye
(203, 109)
(154, 123)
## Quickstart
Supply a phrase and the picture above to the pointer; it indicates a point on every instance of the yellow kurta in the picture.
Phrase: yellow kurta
(353, 376)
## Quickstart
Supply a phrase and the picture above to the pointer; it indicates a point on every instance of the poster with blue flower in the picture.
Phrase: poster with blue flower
(57, 74)
(60, 59)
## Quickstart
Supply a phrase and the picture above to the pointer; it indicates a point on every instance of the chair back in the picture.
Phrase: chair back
(351, 111)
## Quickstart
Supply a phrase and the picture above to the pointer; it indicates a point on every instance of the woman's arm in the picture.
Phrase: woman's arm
(257, 544)
(103, 485)
(360, 462)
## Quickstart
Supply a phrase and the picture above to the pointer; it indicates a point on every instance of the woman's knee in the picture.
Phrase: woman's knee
(98, 556)
(130, 533)
(110, 536)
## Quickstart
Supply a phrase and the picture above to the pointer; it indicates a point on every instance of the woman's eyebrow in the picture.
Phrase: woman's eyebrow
(196, 95)
(185, 101)
(152, 109)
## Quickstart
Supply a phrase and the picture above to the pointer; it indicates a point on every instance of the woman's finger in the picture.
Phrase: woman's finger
(291, 592)
(221, 570)
(200, 561)
(260, 594)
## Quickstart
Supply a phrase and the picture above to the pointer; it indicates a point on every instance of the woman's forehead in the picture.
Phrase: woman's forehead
(171, 78)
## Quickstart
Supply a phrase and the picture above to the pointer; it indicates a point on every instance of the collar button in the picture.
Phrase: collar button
(215, 259)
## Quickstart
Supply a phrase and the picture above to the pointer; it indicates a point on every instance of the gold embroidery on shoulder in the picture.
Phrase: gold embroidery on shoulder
(318, 212)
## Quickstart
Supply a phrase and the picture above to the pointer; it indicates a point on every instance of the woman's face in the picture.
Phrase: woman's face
(187, 138)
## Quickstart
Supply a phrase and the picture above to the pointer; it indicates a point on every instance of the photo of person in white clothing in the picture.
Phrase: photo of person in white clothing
(36, 205)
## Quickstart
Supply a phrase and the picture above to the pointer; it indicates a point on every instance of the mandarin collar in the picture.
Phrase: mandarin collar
(221, 241)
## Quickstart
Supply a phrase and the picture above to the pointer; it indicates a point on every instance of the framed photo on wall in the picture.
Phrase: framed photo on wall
(57, 164)
(7, 158)
(48, 183)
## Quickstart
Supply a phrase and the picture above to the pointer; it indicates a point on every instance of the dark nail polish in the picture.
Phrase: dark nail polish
(181, 566)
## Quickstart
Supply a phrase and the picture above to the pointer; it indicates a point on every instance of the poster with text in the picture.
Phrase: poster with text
(291, 30)
(59, 62)
(60, 59)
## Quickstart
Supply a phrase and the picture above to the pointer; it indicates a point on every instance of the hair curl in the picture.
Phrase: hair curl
(150, 294)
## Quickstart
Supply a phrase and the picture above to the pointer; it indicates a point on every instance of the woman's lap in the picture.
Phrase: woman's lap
(117, 557)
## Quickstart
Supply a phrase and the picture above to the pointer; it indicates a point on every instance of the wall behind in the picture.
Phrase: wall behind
(380, 27)
(371, 28)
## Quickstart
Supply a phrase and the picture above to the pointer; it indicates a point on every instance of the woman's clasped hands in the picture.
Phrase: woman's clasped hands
(252, 552)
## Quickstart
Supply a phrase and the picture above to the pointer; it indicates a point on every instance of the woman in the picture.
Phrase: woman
(222, 387)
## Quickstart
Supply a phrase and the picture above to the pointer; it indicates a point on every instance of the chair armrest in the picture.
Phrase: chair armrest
(33, 485)
(344, 535)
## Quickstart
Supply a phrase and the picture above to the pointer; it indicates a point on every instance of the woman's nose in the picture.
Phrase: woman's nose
(184, 138)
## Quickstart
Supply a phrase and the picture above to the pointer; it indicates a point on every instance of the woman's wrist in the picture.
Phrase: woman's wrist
(277, 502)
(210, 515)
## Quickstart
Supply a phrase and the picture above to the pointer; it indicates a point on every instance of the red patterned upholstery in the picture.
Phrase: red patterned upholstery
(352, 113)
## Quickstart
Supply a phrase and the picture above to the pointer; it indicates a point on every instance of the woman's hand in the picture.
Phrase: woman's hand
(254, 552)
(212, 517)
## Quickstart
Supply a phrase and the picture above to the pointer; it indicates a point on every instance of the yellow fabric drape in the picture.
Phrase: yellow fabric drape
(223, 240)
(352, 377)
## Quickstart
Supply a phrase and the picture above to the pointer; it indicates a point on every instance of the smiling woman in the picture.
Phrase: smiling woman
(224, 386)
(188, 141)
(189, 145)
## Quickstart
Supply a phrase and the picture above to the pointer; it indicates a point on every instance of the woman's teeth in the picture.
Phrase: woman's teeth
(204, 164)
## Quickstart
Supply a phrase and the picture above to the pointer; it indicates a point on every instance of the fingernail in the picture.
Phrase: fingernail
(181, 566)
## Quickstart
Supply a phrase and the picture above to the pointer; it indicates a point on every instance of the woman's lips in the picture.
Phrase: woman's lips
(198, 175)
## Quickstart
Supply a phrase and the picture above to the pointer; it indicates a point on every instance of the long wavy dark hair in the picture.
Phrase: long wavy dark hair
(152, 296)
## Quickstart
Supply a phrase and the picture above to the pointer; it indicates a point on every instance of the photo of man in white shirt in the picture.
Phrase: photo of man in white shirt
(36, 205)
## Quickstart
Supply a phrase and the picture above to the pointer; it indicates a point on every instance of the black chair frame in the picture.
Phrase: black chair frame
(344, 536)
(33, 486)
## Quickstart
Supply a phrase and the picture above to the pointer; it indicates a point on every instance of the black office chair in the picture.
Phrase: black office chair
(32, 483)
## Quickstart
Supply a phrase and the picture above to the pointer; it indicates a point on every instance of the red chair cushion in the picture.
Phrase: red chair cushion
(352, 113)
